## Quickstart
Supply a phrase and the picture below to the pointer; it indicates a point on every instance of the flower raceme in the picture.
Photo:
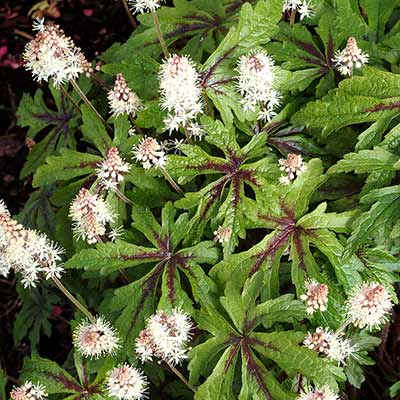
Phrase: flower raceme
(28, 391)
(180, 93)
(112, 170)
(165, 337)
(315, 297)
(349, 58)
(303, 7)
(53, 55)
(96, 339)
(90, 215)
(256, 83)
(123, 100)
(332, 345)
(323, 393)
(27, 251)
(143, 6)
(369, 306)
(126, 383)
(293, 166)
(150, 153)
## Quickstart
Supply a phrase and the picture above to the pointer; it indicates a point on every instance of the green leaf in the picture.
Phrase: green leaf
(51, 375)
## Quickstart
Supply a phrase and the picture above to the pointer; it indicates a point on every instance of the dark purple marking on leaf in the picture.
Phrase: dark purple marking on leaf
(314, 61)
(258, 342)
(148, 286)
(308, 47)
(219, 60)
(220, 82)
(383, 107)
(232, 353)
(141, 256)
(289, 146)
(67, 383)
(248, 325)
(255, 370)
(330, 51)
(236, 4)
(215, 195)
(299, 248)
(171, 269)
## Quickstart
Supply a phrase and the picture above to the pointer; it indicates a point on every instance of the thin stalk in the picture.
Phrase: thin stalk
(187, 135)
(69, 97)
(128, 12)
(123, 197)
(342, 327)
(73, 300)
(181, 377)
(124, 275)
(171, 181)
(89, 104)
(292, 17)
(160, 35)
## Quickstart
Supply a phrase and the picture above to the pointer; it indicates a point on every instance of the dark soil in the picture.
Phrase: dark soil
(94, 26)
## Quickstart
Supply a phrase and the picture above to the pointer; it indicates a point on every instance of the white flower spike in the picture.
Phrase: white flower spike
(150, 153)
(315, 297)
(144, 6)
(53, 55)
(293, 166)
(256, 83)
(122, 99)
(369, 306)
(349, 58)
(29, 391)
(126, 383)
(96, 339)
(180, 93)
(323, 393)
(165, 336)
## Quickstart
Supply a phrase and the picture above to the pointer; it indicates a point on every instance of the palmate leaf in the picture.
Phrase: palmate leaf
(199, 24)
(165, 264)
(34, 113)
(294, 229)
(223, 198)
(233, 337)
(366, 98)
(58, 381)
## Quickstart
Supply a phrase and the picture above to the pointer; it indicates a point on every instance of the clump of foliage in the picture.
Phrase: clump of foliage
(240, 225)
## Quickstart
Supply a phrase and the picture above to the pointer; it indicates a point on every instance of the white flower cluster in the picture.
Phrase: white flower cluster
(332, 345)
(256, 83)
(126, 383)
(28, 391)
(323, 393)
(122, 99)
(165, 337)
(293, 166)
(315, 297)
(369, 306)
(150, 153)
(350, 57)
(143, 6)
(96, 339)
(222, 234)
(112, 170)
(26, 251)
(52, 54)
(303, 7)
(90, 215)
(181, 94)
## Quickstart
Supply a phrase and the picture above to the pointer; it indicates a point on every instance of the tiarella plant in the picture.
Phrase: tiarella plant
(224, 190)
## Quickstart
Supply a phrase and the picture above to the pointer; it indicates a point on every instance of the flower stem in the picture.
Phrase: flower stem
(160, 35)
(73, 300)
(292, 17)
(69, 97)
(180, 376)
(89, 104)
(342, 327)
(128, 12)
(123, 197)
(171, 181)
